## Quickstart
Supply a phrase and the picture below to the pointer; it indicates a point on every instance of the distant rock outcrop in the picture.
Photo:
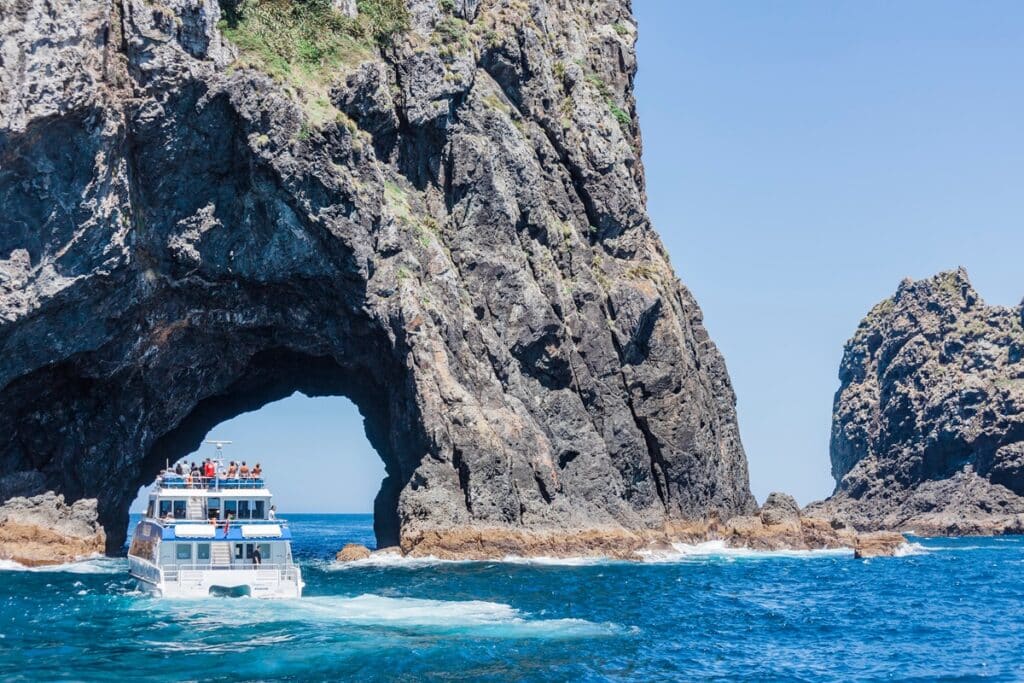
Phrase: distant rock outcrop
(928, 425)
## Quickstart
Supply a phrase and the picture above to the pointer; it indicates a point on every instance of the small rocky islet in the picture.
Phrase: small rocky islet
(928, 423)
(441, 216)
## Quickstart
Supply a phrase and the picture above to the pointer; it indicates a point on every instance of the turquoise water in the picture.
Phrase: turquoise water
(953, 609)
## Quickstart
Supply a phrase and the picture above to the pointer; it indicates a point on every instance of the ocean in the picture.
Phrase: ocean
(948, 609)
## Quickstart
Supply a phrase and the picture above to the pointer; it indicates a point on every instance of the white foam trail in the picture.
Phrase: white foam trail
(476, 616)
(94, 565)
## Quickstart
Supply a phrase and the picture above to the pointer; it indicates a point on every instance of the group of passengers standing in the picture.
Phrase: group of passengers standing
(207, 470)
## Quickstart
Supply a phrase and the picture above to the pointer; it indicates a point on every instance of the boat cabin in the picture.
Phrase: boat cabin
(210, 523)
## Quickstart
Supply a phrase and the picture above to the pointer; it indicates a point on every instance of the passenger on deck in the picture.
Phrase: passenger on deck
(232, 470)
(208, 469)
(257, 556)
(243, 471)
(178, 470)
(273, 512)
(257, 471)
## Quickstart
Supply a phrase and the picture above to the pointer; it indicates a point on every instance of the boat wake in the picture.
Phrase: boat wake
(481, 618)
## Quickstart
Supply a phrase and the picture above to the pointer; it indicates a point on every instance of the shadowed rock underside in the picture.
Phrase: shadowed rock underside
(451, 232)
(928, 425)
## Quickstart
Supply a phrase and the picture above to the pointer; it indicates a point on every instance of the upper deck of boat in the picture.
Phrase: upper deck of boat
(177, 485)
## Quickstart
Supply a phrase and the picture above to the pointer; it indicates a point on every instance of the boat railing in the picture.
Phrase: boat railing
(286, 572)
(170, 480)
(234, 521)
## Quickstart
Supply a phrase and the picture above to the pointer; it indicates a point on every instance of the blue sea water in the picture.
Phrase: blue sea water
(951, 609)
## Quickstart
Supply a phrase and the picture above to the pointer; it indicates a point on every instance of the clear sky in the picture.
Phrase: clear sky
(802, 158)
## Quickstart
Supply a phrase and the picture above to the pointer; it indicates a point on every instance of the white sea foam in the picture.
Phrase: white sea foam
(561, 561)
(680, 552)
(910, 548)
(94, 565)
(398, 561)
(384, 560)
(684, 552)
(477, 616)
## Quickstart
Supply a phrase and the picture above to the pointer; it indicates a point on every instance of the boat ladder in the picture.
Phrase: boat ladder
(194, 508)
(220, 554)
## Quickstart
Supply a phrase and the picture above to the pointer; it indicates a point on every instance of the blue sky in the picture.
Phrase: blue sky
(802, 158)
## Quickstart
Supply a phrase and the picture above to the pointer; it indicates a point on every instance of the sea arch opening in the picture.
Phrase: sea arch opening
(276, 377)
(312, 451)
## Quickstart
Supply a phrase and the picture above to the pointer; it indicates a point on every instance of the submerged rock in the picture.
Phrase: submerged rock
(353, 552)
(928, 425)
(444, 221)
(44, 530)
(878, 544)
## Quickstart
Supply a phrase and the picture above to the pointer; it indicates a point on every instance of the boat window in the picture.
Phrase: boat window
(165, 508)
(231, 508)
(184, 551)
(259, 512)
(149, 510)
(202, 551)
(238, 551)
(213, 505)
(248, 550)
(243, 509)
(265, 551)
(179, 509)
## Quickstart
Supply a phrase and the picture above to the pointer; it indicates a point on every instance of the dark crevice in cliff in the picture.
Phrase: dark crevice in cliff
(658, 464)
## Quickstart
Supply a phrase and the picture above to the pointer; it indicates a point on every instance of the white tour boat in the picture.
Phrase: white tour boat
(213, 536)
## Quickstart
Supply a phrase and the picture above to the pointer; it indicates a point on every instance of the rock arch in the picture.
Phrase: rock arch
(461, 247)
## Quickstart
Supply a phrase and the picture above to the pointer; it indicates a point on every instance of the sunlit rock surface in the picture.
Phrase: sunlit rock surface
(451, 232)
(928, 425)
(45, 530)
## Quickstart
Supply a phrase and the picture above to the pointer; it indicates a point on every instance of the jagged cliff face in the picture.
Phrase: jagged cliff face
(928, 425)
(446, 224)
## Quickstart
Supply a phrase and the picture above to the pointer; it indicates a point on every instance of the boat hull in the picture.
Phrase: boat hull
(201, 583)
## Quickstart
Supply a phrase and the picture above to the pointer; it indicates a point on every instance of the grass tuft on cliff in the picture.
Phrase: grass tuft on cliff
(305, 43)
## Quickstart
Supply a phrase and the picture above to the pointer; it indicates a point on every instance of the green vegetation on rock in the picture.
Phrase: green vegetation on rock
(305, 43)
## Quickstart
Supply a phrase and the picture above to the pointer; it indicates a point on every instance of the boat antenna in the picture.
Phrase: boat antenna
(220, 449)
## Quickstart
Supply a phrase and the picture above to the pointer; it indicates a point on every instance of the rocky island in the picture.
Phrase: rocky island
(928, 426)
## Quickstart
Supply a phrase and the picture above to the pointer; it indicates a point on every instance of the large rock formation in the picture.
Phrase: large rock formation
(436, 210)
(928, 426)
